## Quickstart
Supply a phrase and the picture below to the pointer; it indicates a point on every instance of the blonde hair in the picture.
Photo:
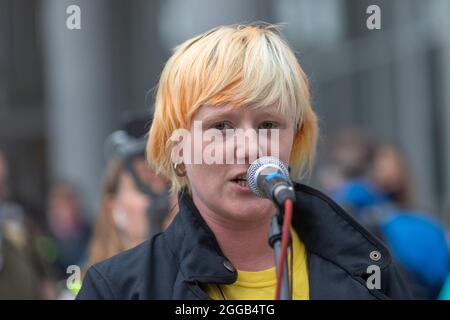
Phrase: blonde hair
(106, 239)
(237, 65)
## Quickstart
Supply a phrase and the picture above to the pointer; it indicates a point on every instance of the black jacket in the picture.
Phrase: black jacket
(172, 264)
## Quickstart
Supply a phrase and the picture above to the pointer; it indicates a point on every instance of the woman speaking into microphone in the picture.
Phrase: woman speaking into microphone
(225, 98)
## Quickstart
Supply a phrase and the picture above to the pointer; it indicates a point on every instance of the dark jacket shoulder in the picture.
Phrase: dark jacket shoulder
(128, 274)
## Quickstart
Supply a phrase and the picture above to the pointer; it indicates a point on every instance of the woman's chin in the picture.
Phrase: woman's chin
(251, 210)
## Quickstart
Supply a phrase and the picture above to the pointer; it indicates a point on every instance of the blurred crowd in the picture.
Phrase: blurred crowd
(371, 180)
(368, 178)
(37, 260)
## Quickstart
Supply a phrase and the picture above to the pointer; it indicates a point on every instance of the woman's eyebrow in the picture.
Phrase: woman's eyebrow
(219, 115)
(268, 113)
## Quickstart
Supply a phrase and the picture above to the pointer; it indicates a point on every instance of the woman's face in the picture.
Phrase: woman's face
(388, 172)
(215, 191)
(130, 204)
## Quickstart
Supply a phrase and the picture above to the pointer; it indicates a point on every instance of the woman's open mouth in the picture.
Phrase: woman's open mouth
(241, 180)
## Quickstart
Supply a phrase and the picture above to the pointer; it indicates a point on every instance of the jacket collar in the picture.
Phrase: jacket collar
(324, 227)
(195, 246)
(331, 233)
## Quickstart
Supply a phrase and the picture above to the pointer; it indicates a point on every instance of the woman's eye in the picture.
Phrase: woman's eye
(268, 125)
(222, 126)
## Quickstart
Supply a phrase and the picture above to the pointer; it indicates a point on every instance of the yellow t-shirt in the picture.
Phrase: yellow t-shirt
(261, 285)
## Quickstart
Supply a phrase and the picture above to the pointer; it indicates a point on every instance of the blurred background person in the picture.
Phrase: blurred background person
(67, 226)
(392, 176)
(12, 215)
(24, 273)
(18, 280)
(122, 220)
(373, 182)
(135, 201)
(418, 239)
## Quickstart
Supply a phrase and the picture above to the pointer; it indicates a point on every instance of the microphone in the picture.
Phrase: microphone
(268, 177)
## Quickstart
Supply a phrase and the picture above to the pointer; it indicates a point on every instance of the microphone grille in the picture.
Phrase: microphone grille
(252, 172)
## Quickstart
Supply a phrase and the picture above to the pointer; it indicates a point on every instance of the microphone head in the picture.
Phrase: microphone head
(264, 165)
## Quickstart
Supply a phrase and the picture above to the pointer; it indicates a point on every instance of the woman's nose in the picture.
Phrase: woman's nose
(247, 145)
